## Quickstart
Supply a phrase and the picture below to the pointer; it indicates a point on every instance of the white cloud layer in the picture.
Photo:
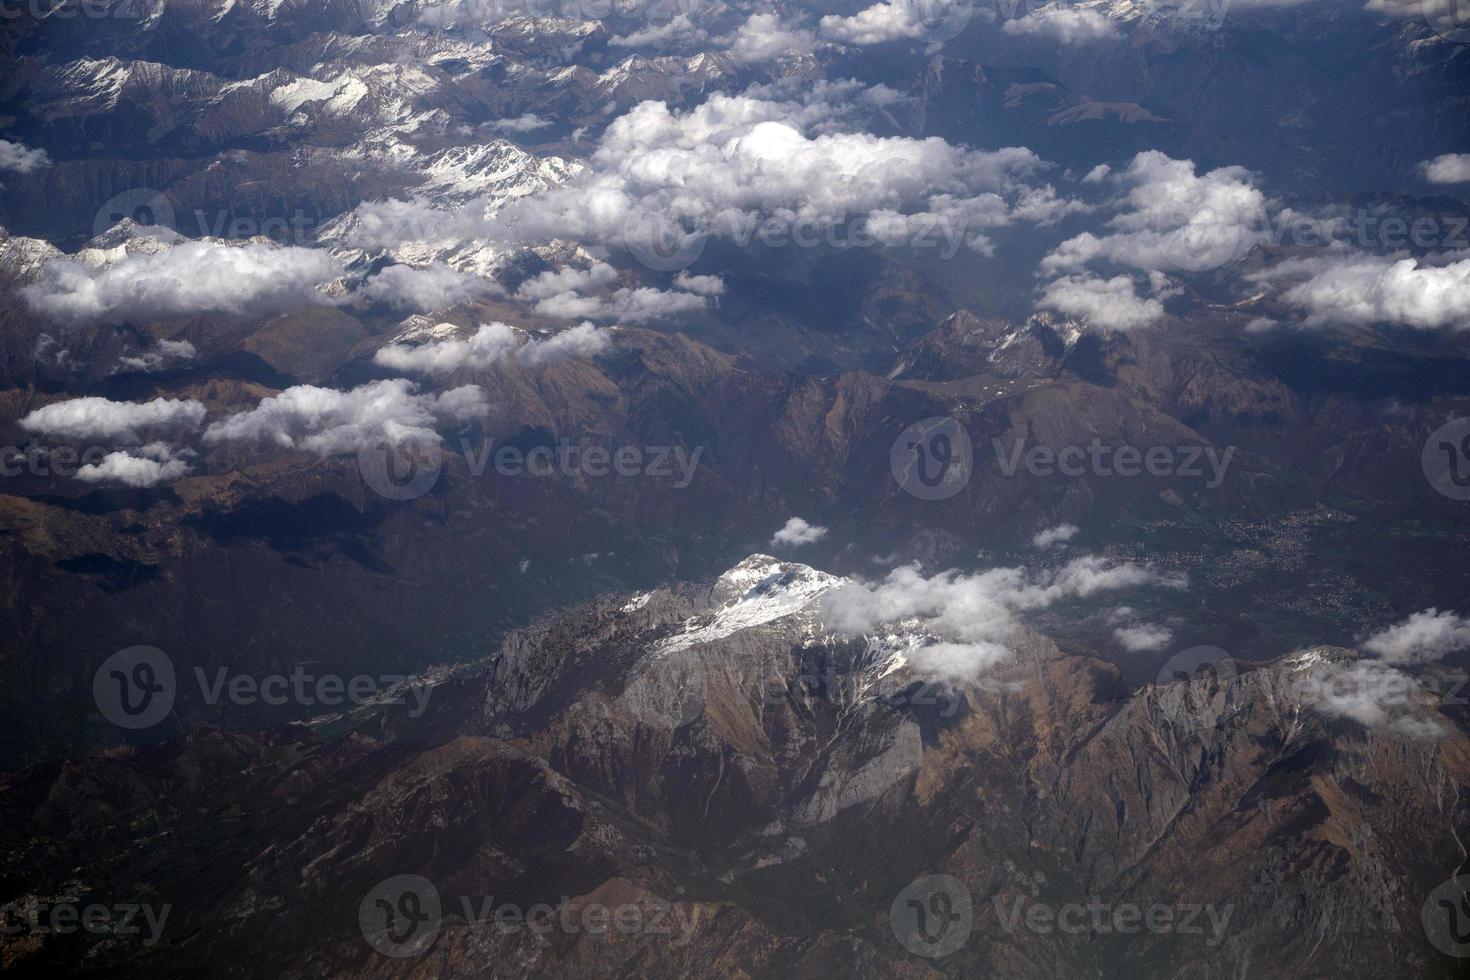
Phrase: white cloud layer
(975, 614)
(896, 20)
(562, 294)
(188, 279)
(149, 466)
(1364, 289)
(434, 287)
(1112, 304)
(1424, 637)
(765, 36)
(724, 166)
(118, 422)
(490, 344)
(1172, 220)
(327, 421)
(1057, 22)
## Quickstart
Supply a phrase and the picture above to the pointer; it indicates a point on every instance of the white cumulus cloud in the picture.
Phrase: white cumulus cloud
(1423, 637)
(1451, 168)
(327, 421)
(148, 466)
(975, 614)
(434, 287)
(94, 417)
(187, 279)
(1143, 637)
(1054, 535)
(797, 532)
(18, 158)
(1069, 25)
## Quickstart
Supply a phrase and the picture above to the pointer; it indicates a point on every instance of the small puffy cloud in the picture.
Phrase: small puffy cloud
(434, 287)
(1097, 174)
(528, 123)
(148, 466)
(677, 30)
(583, 340)
(797, 532)
(1452, 168)
(328, 421)
(17, 158)
(163, 354)
(703, 285)
(560, 294)
(122, 422)
(896, 20)
(1112, 304)
(765, 36)
(974, 615)
(1423, 637)
(490, 344)
(1054, 535)
(187, 279)
(1143, 637)
(568, 280)
(1069, 25)
(1364, 289)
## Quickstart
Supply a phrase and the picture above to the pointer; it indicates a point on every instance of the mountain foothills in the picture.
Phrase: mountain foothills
(1109, 359)
(729, 767)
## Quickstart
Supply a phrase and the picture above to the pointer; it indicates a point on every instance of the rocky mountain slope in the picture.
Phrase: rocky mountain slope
(765, 792)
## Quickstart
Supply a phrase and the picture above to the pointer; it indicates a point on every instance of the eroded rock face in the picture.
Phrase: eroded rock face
(719, 761)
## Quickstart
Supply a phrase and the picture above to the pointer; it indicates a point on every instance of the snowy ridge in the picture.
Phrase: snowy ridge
(758, 591)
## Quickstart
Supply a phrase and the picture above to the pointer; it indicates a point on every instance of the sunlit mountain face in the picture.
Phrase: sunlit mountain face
(574, 488)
